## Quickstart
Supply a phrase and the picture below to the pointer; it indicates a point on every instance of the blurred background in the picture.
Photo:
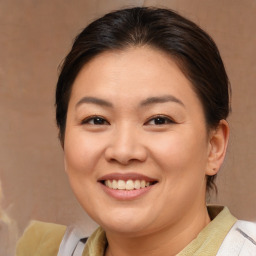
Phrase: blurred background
(34, 38)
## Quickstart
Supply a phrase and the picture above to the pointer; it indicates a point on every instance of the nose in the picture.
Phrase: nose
(125, 147)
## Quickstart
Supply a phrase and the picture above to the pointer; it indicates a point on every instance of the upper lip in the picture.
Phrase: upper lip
(126, 176)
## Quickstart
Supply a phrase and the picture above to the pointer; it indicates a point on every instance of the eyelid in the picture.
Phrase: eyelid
(168, 118)
(90, 118)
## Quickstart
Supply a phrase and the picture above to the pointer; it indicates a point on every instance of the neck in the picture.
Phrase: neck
(167, 241)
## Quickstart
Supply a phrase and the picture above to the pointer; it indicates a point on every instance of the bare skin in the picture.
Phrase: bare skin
(133, 113)
(167, 242)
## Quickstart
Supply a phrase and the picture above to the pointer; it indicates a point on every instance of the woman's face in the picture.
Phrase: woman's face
(136, 145)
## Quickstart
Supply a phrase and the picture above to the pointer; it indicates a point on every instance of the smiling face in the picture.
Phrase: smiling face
(136, 143)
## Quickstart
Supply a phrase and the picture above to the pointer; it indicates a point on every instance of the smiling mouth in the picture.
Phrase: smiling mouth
(127, 184)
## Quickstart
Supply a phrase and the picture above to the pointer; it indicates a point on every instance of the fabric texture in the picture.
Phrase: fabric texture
(40, 239)
(241, 240)
(209, 240)
(44, 238)
(73, 242)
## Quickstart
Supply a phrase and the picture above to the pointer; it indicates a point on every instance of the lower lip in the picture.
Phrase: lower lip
(126, 194)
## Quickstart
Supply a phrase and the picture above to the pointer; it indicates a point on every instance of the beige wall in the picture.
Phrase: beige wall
(35, 36)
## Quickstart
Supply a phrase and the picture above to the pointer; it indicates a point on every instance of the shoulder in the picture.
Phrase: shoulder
(40, 238)
(241, 240)
(247, 229)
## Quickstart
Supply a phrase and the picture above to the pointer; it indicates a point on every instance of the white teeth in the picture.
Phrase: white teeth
(114, 184)
(129, 185)
(108, 183)
(126, 185)
(121, 184)
(137, 184)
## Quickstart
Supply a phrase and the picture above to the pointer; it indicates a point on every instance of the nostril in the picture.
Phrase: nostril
(125, 154)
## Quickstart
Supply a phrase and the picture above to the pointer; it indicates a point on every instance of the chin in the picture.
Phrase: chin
(126, 221)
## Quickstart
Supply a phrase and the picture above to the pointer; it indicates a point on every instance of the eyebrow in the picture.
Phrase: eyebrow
(161, 99)
(146, 102)
(94, 100)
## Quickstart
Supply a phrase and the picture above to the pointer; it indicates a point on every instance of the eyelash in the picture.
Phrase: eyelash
(98, 120)
(161, 118)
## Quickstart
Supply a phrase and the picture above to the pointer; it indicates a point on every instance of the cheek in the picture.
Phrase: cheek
(81, 153)
(180, 154)
(81, 158)
(183, 161)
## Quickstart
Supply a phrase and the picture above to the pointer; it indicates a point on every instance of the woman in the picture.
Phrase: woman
(141, 105)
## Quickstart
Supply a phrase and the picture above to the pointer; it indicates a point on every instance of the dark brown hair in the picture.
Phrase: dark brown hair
(192, 49)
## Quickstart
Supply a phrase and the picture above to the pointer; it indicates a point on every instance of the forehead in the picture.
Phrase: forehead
(136, 72)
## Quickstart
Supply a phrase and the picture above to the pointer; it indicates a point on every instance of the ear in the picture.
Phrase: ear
(218, 142)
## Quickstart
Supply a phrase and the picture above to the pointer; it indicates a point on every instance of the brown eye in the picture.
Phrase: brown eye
(95, 120)
(159, 120)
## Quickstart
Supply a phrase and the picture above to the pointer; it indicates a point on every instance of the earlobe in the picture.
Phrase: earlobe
(218, 142)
